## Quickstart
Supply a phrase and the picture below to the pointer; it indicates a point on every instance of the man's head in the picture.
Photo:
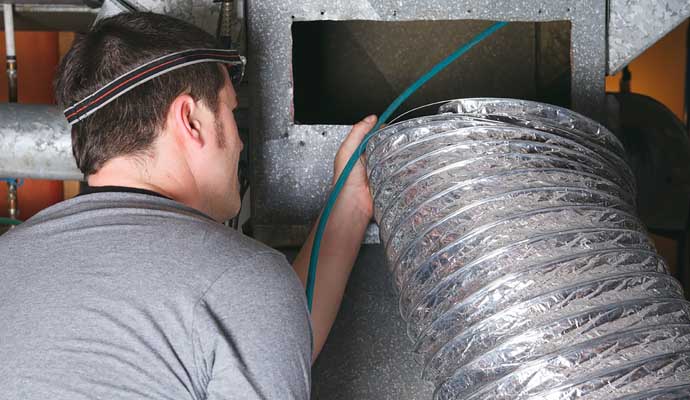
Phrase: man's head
(176, 132)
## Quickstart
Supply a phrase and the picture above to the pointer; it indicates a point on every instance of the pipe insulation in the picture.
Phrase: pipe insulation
(510, 231)
(35, 142)
(8, 17)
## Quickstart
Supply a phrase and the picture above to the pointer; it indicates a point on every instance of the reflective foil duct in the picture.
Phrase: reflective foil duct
(510, 231)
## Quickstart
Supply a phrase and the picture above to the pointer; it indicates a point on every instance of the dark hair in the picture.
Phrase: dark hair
(129, 125)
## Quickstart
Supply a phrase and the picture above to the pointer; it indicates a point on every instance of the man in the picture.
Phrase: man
(134, 290)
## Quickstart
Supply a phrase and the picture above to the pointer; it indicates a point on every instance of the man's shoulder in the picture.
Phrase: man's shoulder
(228, 244)
(166, 236)
(215, 249)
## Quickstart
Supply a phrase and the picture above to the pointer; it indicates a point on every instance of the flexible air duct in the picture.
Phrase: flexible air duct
(510, 230)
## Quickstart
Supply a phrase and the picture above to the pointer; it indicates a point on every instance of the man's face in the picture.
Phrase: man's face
(221, 184)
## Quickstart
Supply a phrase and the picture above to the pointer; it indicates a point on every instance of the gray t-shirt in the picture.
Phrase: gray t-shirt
(132, 296)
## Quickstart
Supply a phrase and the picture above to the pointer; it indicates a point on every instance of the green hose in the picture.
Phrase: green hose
(9, 221)
(333, 196)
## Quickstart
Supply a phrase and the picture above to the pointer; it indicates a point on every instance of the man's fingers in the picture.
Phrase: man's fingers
(360, 129)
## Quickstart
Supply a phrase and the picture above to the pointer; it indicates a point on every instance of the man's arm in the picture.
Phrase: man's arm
(341, 240)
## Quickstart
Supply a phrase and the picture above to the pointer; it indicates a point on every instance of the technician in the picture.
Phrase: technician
(135, 290)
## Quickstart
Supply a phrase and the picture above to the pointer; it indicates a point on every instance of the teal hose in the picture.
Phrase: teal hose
(333, 196)
(9, 221)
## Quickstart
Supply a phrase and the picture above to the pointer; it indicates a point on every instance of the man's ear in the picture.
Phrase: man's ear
(184, 119)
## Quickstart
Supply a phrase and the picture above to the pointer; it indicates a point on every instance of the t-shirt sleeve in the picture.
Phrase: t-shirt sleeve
(252, 333)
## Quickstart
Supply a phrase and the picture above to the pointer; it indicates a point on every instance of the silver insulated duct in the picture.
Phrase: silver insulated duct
(510, 231)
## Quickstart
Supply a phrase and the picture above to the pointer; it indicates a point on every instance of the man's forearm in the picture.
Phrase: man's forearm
(339, 248)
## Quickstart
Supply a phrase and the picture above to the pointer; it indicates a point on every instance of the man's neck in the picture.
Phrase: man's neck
(127, 173)
(119, 189)
(172, 180)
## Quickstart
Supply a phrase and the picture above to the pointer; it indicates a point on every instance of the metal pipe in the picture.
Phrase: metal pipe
(113, 7)
(13, 206)
(523, 272)
(225, 23)
(35, 142)
(12, 202)
(8, 14)
(8, 17)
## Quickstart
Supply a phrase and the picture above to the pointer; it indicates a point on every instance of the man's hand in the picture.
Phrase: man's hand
(356, 189)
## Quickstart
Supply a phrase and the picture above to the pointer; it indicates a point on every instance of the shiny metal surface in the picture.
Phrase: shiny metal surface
(67, 15)
(202, 13)
(12, 205)
(35, 142)
(635, 25)
(523, 272)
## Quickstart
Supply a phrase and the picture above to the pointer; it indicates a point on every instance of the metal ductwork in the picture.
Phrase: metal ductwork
(203, 13)
(510, 231)
(35, 142)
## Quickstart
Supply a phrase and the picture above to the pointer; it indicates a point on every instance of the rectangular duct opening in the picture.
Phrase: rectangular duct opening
(344, 70)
